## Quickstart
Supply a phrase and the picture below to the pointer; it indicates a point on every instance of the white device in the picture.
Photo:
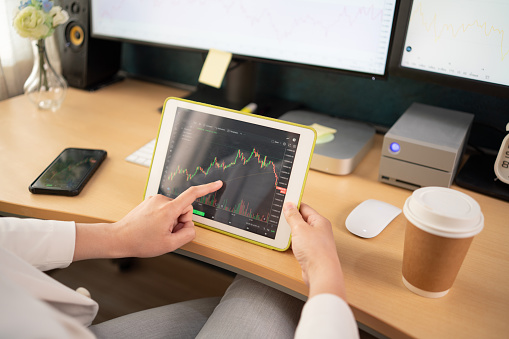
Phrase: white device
(349, 145)
(424, 147)
(502, 161)
(371, 217)
(262, 163)
(143, 155)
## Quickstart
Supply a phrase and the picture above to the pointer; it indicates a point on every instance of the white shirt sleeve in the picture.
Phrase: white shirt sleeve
(45, 244)
(33, 305)
(326, 316)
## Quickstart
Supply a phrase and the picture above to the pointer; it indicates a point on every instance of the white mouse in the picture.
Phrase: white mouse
(370, 217)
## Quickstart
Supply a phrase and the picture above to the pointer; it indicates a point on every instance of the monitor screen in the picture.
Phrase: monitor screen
(344, 35)
(462, 40)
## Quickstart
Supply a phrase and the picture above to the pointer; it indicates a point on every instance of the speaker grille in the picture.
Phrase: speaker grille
(86, 61)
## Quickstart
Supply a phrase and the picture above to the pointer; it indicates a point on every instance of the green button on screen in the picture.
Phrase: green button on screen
(199, 213)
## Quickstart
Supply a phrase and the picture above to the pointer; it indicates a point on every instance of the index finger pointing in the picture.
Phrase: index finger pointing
(192, 193)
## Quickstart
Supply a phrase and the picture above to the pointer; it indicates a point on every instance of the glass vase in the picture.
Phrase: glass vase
(44, 87)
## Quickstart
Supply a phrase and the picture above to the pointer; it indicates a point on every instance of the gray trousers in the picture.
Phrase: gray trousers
(248, 309)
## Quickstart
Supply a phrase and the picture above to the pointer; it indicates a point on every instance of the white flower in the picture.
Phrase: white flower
(37, 19)
(59, 16)
(31, 23)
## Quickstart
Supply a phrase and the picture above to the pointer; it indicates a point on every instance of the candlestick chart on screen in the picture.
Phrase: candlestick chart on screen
(239, 170)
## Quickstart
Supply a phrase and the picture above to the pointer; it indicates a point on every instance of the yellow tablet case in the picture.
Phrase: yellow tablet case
(244, 113)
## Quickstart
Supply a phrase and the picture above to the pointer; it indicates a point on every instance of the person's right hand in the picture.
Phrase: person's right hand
(315, 249)
(156, 226)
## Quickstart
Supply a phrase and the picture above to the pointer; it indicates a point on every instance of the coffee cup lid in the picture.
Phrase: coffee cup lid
(444, 212)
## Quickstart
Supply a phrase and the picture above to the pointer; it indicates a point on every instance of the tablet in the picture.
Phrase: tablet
(262, 162)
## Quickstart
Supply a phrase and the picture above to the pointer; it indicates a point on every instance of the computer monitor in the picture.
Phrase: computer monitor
(459, 44)
(352, 36)
(455, 43)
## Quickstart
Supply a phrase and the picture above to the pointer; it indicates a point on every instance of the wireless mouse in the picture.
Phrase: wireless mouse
(370, 217)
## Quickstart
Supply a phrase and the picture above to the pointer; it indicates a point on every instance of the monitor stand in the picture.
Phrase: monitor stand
(239, 91)
(106, 82)
(478, 175)
(214, 96)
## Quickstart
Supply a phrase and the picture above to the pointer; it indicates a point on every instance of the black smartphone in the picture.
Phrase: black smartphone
(69, 172)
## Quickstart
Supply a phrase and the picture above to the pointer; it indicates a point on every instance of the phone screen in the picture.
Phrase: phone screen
(69, 172)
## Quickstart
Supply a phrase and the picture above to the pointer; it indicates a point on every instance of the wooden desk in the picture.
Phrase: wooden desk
(123, 117)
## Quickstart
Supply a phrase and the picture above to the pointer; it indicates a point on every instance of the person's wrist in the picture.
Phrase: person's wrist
(326, 277)
(323, 263)
(95, 241)
(324, 272)
(119, 240)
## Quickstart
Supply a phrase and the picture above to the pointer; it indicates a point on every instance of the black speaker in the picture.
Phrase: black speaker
(87, 63)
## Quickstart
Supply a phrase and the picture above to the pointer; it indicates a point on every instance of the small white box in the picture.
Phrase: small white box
(352, 141)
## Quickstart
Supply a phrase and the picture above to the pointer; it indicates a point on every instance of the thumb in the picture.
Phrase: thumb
(292, 215)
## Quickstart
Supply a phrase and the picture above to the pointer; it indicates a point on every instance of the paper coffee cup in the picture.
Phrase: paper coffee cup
(441, 224)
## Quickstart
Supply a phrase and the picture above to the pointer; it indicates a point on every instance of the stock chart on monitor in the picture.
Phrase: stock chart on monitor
(465, 39)
(350, 35)
(254, 163)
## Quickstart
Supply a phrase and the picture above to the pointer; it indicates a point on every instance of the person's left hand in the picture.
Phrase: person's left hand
(156, 226)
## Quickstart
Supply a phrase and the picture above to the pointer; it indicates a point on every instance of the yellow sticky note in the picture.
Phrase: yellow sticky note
(322, 130)
(214, 68)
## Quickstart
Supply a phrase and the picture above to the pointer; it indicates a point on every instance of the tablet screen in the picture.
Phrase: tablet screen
(254, 162)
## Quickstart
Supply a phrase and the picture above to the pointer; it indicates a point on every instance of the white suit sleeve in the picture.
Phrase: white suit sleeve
(326, 316)
(45, 244)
